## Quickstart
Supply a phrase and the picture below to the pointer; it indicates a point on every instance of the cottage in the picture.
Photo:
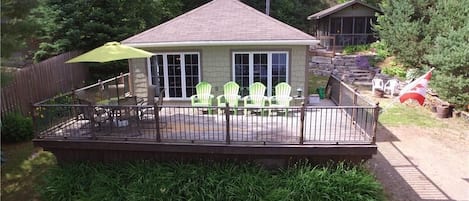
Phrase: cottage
(221, 41)
(349, 23)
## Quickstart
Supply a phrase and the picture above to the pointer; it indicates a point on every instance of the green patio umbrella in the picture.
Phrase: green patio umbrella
(111, 51)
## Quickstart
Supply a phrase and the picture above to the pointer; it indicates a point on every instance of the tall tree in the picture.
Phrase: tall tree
(404, 28)
(450, 53)
(16, 29)
(83, 24)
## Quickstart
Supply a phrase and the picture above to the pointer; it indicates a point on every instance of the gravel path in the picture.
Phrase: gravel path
(423, 163)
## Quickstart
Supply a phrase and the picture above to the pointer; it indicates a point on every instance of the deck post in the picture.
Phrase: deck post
(227, 117)
(156, 112)
(354, 110)
(375, 123)
(302, 122)
(340, 93)
(33, 116)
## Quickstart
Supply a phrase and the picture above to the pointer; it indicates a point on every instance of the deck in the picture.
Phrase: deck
(337, 128)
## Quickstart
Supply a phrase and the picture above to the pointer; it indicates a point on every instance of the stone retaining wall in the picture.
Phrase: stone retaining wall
(345, 66)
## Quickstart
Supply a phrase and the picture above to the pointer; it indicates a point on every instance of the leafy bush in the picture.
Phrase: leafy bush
(214, 181)
(394, 70)
(350, 49)
(16, 128)
(381, 50)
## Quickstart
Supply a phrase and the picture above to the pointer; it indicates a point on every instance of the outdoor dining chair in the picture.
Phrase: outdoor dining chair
(282, 97)
(230, 96)
(256, 98)
(203, 96)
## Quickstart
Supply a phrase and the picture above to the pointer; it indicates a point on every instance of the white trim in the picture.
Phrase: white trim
(149, 71)
(224, 43)
(269, 66)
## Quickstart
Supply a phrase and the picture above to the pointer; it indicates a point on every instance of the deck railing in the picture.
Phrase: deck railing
(352, 121)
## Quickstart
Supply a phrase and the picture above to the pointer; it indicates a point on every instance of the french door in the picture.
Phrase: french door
(178, 73)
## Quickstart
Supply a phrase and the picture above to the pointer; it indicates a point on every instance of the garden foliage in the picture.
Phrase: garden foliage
(16, 128)
(214, 181)
(431, 33)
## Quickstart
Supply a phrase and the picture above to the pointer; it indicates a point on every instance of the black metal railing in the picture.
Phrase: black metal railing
(352, 121)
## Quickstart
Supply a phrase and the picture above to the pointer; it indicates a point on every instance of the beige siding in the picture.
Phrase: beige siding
(216, 65)
(139, 76)
(355, 11)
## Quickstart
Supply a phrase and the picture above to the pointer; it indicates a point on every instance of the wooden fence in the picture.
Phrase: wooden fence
(40, 81)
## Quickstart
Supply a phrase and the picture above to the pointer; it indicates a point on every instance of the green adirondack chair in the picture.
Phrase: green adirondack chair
(203, 96)
(230, 96)
(255, 98)
(282, 97)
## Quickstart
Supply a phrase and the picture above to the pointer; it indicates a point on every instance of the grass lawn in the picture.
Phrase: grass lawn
(208, 181)
(24, 168)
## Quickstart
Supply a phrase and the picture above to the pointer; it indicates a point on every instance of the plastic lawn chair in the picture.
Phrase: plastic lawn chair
(203, 96)
(256, 98)
(377, 84)
(391, 86)
(230, 96)
(282, 97)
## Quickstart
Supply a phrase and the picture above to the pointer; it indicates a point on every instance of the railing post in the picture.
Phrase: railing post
(340, 93)
(302, 122)
(117, 89)
(156, 112)
(227, 117)
(354, 110)
(375, 122)
(34, 118)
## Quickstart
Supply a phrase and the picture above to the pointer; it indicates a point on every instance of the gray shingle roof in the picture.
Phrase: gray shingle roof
(338, 8)
(220, 22)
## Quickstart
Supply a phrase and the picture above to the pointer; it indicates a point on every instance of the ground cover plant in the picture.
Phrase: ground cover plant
(23, 168)
(207, 181)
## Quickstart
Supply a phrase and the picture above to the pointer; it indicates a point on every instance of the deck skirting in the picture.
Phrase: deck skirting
(90, 150)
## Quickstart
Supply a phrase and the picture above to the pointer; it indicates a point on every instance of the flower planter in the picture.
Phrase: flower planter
(443, 111)
(379, 93)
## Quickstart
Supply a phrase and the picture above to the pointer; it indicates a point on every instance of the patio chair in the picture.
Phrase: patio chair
(256, 98)
(148, 113)
(282, 97)
(203, 97)
(230, 96)
(391, 86)
(377, 84)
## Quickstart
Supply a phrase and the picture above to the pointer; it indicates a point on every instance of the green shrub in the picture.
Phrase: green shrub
(213, 181)
(16, 128)
(394, 70)
(381, 50)
(350, 49)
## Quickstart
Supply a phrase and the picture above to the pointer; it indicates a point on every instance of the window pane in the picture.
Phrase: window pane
(347, 25)
(360, 25)
(192, 73)
(279, 69)
(260, 68)
(335, 26)
(157, 73)
(242, 71)
(174, 76)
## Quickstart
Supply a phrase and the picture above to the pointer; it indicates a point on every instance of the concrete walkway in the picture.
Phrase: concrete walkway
(423, 163)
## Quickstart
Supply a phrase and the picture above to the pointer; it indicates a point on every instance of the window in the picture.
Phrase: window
(270, 68)
(178, 73)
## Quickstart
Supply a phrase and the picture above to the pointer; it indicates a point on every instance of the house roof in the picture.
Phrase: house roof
(338, 8)
(221, 22)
